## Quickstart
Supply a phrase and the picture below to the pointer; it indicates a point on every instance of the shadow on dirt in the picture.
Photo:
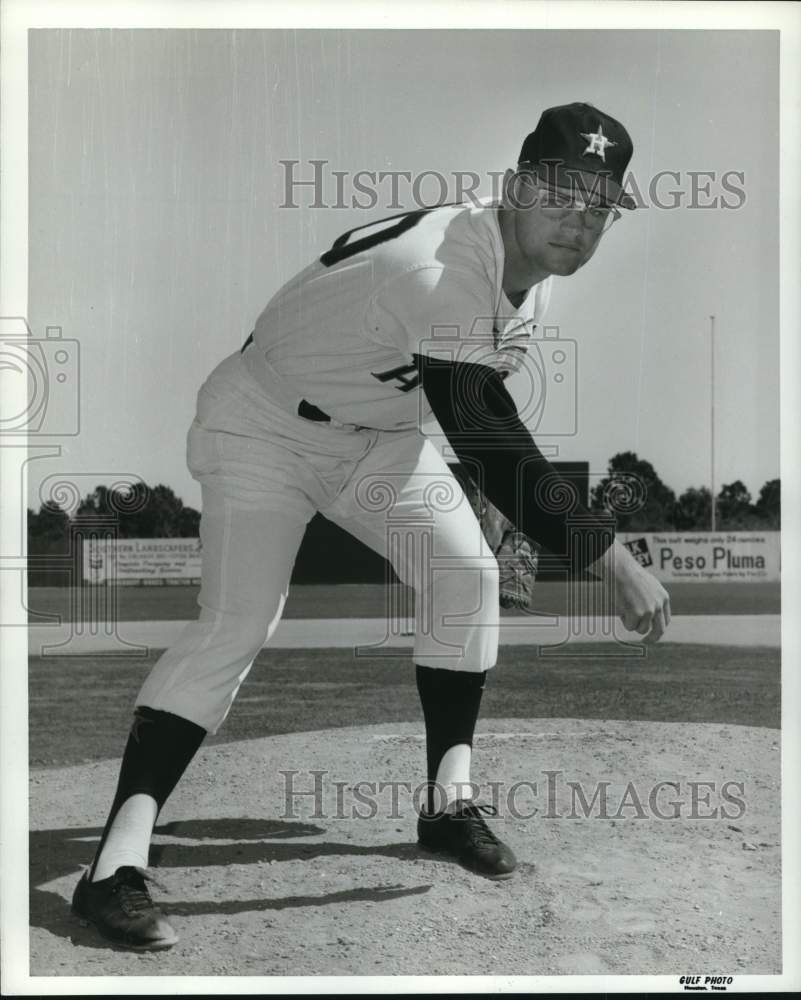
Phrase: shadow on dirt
(58, 853)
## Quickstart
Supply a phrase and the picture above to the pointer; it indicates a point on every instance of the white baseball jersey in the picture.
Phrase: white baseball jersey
(341, 334)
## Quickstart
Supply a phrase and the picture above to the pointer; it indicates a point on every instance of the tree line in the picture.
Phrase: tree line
(631, 489)
(634, 492)
(139, 511)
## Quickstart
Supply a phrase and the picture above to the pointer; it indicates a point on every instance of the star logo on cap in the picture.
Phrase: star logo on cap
(597, 142)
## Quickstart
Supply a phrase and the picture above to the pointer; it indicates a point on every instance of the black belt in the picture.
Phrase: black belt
(312, 412)
(305, 409)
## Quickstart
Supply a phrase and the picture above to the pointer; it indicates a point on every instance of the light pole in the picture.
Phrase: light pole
(712, 415)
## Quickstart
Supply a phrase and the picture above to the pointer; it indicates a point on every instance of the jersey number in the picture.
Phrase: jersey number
(345, 246)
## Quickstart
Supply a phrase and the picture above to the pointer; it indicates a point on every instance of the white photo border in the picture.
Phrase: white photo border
(18, 16)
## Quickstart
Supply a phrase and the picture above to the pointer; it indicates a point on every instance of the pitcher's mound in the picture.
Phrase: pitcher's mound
(643, 848)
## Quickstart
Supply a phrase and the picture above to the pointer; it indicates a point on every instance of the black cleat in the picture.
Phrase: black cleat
(465, 835)
(121, 910)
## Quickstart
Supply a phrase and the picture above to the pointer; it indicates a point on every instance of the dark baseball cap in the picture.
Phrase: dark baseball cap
(578, 147)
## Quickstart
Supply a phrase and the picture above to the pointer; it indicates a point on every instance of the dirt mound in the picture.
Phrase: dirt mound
(258, 882)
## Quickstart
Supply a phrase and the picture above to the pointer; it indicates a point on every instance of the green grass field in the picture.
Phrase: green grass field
(370, 600)
(80, 708)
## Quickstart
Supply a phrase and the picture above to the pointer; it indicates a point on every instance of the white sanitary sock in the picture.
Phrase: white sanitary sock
(453, 776)
(128, 841)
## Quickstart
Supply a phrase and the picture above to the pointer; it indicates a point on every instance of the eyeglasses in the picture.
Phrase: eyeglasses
(597, 218)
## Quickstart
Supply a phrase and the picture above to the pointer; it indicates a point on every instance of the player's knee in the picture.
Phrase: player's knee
(478, 590)
(234, 638)
(253, 633)
(246, 630)
(490, 590)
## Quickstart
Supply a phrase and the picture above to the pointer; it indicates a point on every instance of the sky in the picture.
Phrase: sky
(157, 232)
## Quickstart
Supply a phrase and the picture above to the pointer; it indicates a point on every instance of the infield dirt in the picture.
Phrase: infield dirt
(254, 890)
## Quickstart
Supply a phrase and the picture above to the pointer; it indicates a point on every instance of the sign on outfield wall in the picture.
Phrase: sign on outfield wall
(141, 560)
(695, 556)
(682, 556)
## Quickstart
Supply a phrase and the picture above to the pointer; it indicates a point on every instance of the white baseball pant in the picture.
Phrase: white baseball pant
(264, 472)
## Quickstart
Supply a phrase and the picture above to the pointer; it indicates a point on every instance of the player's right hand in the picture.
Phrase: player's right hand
(641, 602)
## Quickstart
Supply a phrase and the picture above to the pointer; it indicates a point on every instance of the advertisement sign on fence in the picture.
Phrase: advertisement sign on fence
(141, 560)
(695, 556)
(681, 556)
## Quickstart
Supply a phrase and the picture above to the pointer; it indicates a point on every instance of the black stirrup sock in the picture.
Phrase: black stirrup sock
(450, 700)
(159, 748)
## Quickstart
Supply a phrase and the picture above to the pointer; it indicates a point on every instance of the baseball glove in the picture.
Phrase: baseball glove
(515, 552)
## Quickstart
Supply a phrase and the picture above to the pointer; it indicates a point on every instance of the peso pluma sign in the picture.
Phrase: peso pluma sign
(135, 560)
(725, 556)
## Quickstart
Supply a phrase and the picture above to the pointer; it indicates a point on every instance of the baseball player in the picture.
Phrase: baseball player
(421, 314)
